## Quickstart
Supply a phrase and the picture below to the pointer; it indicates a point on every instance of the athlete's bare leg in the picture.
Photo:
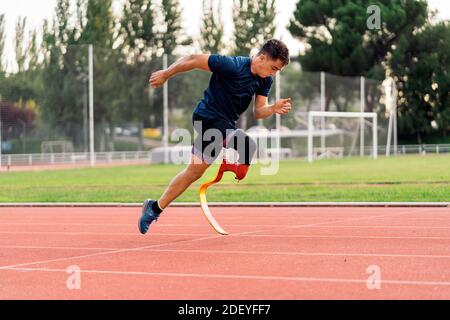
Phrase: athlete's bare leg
(194, 171)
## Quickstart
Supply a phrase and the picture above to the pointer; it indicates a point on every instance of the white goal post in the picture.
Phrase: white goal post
(323, 114)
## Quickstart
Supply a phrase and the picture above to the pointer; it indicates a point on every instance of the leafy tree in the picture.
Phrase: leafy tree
(137, 26)
(33, 51)
(253, 24)
(420, 67)
(61, 96)
(137, 29)
(2, 43)
(171, 32)
(99, 24)
(99, 31)
(14, 118)
(62, 13)
(339, 40)
(20, 51)
(212, 28)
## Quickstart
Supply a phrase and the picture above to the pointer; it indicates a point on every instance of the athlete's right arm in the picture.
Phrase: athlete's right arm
(186, 63)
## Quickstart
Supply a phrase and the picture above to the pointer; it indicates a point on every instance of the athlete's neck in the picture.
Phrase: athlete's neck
(252, 66)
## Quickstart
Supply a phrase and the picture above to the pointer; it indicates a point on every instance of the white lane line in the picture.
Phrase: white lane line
(393, 255)
(104, 253)
(242, 235)
(229, 225)
(199, 239)
(327, 224)
(133, 225)
(346, 237)
(76, 233)
(385, 227)
(240, 277)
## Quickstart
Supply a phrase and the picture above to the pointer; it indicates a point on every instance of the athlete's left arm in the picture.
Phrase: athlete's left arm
(262, 109)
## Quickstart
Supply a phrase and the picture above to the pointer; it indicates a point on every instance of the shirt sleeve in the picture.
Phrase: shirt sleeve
(224, 65)
(264, 90)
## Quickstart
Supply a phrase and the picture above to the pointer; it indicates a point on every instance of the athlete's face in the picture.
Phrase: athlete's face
(265, 66)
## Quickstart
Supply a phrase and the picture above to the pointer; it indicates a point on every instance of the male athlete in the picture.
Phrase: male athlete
(234, 82)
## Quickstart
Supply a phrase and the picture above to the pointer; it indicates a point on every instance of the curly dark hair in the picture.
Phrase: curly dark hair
(276, 49)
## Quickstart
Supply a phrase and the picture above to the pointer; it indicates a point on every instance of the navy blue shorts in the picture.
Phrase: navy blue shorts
(208, 144)
(212, 135)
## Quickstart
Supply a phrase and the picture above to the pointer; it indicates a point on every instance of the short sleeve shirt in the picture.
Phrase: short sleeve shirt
(231, 88)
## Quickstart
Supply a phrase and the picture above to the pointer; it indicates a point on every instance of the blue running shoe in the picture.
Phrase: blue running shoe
(147, 217)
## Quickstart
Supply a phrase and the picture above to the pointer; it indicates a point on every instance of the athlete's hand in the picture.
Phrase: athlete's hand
(158, 78)
(282, 106)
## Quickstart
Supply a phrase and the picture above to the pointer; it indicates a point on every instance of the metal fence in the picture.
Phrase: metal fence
(48, 159)
(12, 161)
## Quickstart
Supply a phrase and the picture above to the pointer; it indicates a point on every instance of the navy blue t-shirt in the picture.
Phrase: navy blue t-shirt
(231, 88)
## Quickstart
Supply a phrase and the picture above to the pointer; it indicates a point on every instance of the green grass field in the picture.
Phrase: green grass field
(405, 178)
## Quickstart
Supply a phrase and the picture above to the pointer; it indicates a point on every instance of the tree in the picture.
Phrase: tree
(137, 26)
(61, 92)
(2, 43)
(338, 37)
(212, 28)
(15, 116)
(172, 25)
(17, 90)
(253, 24)
(420, 67)
(340, 41)
(137, 30)
(19, 40)
(32, 51)
(98, 28)
(62, 14)
(18, 87)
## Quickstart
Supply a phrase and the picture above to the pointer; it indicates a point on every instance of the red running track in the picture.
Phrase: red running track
(271, 253)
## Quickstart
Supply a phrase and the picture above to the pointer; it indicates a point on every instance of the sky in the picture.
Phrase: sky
(38, 10)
